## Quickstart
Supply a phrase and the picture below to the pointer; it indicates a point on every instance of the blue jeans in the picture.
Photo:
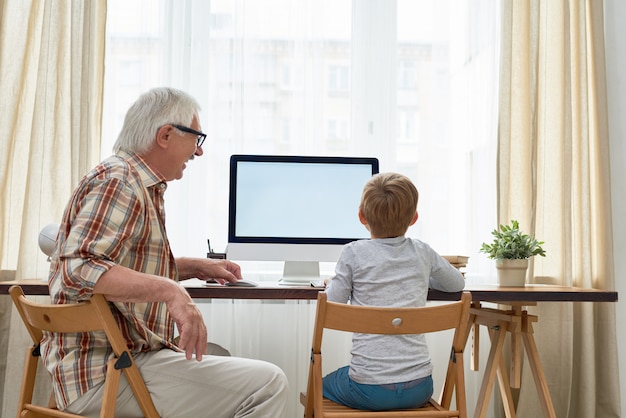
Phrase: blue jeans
(338, 387)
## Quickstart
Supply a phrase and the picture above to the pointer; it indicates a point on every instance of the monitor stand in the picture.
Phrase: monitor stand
(300, 273)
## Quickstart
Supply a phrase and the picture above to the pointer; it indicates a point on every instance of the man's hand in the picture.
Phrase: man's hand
(208, 269)
(121, 284)
(188, 319)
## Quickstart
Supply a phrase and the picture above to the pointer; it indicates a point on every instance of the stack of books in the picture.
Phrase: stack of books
(458, 261)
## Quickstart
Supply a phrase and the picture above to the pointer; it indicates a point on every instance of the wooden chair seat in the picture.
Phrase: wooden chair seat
(431, 409)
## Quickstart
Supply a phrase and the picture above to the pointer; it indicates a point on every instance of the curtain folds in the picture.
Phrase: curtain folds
(52, 66)
(553, 176)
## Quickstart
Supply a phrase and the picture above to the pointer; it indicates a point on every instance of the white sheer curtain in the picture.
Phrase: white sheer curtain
(412, 82)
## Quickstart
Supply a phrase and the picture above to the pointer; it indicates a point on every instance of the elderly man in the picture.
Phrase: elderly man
(112, 241)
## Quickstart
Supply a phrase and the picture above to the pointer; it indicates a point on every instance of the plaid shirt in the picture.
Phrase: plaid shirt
(115, 217)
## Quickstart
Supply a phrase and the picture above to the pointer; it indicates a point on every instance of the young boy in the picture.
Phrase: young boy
(387, 372)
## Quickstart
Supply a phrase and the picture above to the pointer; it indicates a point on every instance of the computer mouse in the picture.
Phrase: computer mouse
(247, 283)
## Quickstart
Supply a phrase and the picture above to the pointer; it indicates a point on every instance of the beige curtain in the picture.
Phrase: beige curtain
(51, 85)
(553, 176)
(5, 328)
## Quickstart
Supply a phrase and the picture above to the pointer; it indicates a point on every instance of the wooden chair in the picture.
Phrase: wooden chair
(376, 320)
(92, 315)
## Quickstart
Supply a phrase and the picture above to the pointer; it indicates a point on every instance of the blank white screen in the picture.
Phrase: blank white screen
(300, 200)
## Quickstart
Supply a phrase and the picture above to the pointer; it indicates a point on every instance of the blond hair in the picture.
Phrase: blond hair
(389, 204)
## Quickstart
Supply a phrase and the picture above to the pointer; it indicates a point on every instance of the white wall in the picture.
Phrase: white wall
(615, 31)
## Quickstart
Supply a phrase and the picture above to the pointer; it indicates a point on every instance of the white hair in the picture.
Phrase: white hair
(152, 110)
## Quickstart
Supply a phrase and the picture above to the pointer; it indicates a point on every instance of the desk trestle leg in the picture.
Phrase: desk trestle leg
(537, 370)
(519, 324)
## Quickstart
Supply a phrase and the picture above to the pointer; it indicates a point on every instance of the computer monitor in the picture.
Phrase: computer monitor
(296, 209)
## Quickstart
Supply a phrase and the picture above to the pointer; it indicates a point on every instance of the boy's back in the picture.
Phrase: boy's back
(390, 272)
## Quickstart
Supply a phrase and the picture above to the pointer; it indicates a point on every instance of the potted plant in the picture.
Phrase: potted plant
(511, 248)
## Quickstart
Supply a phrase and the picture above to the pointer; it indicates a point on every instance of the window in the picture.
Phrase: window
(407, 129)
(338, 79)
(337, 129)
(301, 77)
(407, 71)
(411, 82)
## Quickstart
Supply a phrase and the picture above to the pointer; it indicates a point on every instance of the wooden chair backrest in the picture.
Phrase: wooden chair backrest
(391, 321)
(89, 316)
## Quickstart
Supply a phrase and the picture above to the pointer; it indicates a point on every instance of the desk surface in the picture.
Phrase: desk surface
(272, 290)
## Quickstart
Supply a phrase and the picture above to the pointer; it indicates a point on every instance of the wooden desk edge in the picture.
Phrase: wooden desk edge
(479, 293)
(37, 287)
(33, 287)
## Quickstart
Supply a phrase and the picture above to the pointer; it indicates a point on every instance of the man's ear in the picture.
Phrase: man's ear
(414, 219)
(164, 136)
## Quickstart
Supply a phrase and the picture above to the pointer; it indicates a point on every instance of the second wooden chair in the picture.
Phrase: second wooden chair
(376, 320)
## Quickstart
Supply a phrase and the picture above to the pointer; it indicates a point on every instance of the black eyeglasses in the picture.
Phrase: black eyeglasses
(201, 136)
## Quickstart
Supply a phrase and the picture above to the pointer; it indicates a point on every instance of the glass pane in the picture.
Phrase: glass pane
(279, 77)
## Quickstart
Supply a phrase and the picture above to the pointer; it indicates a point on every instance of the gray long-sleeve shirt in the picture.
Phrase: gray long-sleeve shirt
(390, 272)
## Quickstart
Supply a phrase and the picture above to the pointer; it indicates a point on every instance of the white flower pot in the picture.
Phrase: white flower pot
(512, 272)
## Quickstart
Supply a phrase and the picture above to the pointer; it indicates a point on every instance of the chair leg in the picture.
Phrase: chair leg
(111, 386)
(28, 380)
(445, 399)
(307, 401)
(461, 397)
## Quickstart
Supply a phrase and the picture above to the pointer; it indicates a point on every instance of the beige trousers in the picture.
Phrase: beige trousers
(216, 387)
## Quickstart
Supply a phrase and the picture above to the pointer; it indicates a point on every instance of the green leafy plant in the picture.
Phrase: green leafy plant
(511, 243)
